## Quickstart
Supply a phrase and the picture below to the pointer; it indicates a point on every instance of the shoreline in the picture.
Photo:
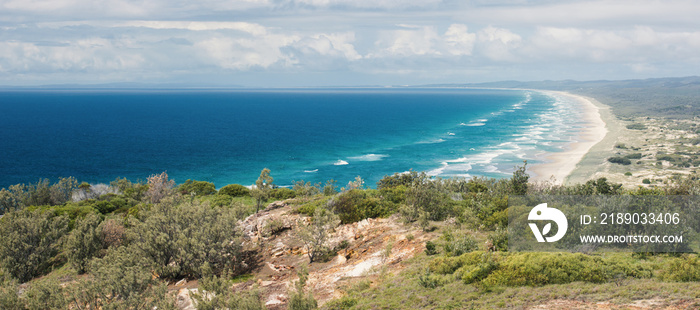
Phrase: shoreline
(559, 167)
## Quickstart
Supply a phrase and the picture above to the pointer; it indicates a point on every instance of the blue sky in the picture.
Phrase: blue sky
(287, 43)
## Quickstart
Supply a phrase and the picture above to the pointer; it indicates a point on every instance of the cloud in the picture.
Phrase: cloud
(313, 42)
(458, 40)
(498, 44)
(641, 44)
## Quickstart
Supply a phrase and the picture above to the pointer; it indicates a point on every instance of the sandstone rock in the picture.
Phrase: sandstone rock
(184, 301)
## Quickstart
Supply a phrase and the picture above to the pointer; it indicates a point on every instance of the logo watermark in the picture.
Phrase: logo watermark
(542, 213)
(615, 223)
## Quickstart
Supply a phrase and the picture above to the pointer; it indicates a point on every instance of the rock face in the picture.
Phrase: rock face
(362, 250)
(183, 300)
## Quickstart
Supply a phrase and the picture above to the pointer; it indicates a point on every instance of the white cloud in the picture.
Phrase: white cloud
(410, 41)
(498, 44)
(85, 55)
(458, 40)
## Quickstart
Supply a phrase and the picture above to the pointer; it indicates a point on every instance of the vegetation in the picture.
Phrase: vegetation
(234, 190)
(620, 160)
(132, 238)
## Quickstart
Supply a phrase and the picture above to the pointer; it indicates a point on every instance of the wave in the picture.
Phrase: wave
(450, 133)
(340, 162)
(473, 124)
(311, 171)
(431, 141)
(369, 157)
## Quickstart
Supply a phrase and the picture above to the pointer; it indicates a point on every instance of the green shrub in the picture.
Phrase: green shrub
(634, 156)
(179, 238)
(636, 126)
(298, 299)
(282, 193)
(346, 205)
(628, 174)
(306, 189)
(646, 181)
(9, 297)
(342, 303)
(619, 160)
(330, 188)
(121, 280)
(518, 182)
(519, 269)
(456, 245)
(197, 188)
(219, 295)
(683, 269)
(234, 190)
(29, 240)
(405, 179)
(84, 242)
(45, 294)
(395, 194)
(430, 248)
(498, 240)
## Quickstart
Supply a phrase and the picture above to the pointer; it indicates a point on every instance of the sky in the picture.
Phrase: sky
(298, 43)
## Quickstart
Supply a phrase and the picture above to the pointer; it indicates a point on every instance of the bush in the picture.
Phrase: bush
(396, 194)
(29, 240)
(459, 244)
(178, 239)
(518, 182)
(282, 193)
(345, 205)
(197, 188)
(120, 280)
(683, 269)
(84, 242)
(628, 174)
(430, 248)
(219, 295)
(405, 179)
(519, 269)
(634, 156)
(234, 190)
(619, 160)
(306, 189)
(636, 126)
(498, 240)
(39, 194)
(298, 300)
(646, 181)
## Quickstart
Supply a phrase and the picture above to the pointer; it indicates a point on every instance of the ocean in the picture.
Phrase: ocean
(229, 136)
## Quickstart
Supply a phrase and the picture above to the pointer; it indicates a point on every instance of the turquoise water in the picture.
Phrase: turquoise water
(228, 136)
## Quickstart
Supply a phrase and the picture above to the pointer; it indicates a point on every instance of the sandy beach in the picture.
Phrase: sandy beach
(558, 166)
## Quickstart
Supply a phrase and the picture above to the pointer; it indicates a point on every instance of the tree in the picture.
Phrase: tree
(178, 238)
(198, 188)
(84, 242)
(261, 192)
(29, 240)
(519, 180)
(159, 186)
(315, 236)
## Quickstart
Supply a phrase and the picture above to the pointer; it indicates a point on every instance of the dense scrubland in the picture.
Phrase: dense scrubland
(117, 246)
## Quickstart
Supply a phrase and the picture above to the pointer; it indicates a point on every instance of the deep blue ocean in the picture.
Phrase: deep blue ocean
(228, 136)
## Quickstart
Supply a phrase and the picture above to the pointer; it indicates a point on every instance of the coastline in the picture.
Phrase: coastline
(559, 167)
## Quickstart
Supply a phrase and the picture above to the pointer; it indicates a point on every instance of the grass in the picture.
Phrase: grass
(404, 291)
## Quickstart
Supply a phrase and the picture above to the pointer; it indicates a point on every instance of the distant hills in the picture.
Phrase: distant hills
(665, 97)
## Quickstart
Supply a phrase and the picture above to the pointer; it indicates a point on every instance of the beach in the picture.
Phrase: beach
(558, 167)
